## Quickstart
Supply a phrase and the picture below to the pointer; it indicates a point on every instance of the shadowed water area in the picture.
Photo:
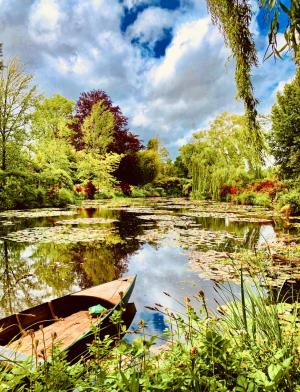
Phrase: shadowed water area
(171, 244)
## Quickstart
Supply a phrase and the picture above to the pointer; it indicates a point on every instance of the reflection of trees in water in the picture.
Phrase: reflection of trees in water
(31, 274)
(17, 279)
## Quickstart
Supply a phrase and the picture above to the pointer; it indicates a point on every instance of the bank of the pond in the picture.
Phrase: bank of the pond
(254, 346)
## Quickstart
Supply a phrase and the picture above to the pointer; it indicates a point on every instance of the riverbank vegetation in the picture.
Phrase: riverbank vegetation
(254, 346)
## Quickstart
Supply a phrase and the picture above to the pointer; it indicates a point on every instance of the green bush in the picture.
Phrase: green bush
(62, 197)
(17, 191)
(139, 192)
(104, 195)
(172, 186)
(254, 199)
(291, 197)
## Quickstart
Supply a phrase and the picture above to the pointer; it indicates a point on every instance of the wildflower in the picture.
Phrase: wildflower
(194, 351)
(142, 323)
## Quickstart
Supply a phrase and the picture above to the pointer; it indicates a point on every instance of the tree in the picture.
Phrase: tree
(139, 168)
(285, 134)
(122, 142)
(17, 97)
(98, 128)
(99, 169)
(52, 117)
(221, 155)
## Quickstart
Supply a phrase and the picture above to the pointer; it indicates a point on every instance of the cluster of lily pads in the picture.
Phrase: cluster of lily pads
(37, 213)
(59, 234)
(86, 221)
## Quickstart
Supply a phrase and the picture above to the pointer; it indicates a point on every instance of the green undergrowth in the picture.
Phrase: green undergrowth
(251, 344)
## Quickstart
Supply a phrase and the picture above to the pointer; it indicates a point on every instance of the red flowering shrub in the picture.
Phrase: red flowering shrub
(90, 190)
(126, 188)
(271, 187)
(227, 190)
(79, 189)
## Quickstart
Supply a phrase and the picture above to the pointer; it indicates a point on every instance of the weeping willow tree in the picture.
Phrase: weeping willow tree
(221, 155)
(233, 18)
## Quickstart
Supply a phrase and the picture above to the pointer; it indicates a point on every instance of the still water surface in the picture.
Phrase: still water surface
(43, 257)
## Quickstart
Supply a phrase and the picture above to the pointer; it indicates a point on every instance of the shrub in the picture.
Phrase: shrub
(62, 197)
(104, 194)
(19, 191)
(172, 186)
(90, 189)
(138, 192)
(291, 197)
(254, 199)
(270, 187)
(227, 191)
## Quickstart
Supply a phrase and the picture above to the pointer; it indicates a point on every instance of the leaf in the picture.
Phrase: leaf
(275, 372)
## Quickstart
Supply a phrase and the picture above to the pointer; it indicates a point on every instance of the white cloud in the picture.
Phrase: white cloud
(44, 21)
(150, 24)
(75, 46)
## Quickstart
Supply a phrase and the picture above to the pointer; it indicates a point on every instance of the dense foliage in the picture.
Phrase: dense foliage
(284, 138)
(253, 347)
(221, 156)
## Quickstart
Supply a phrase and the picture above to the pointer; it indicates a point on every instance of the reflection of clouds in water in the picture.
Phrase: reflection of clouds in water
(165, 269)
(266, 235)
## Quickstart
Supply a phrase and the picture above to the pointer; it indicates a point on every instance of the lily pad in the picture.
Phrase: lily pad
(86, 221)
(37, 213)
(58, 234)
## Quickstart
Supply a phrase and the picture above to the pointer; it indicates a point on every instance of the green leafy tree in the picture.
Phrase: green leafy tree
(17, 97)
(98, 128)
(97, 168)
(285, 134)
(52, 117)
(221, 155)
(148, 166)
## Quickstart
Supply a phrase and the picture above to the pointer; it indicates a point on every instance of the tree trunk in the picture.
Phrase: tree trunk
(3, 164)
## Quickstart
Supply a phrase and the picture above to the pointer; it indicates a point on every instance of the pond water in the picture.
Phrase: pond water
(171, 245)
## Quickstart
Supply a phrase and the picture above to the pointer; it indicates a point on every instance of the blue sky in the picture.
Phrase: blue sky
(161, 61)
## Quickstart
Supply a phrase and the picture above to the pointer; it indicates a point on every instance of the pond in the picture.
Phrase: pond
(171, 244)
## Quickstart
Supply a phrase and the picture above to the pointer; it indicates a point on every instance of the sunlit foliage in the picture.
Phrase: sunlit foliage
(221, 155)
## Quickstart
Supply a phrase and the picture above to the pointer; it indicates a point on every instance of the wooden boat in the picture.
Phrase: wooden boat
(67, 322)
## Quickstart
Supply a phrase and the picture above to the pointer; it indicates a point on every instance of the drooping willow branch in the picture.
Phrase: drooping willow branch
(233, 18)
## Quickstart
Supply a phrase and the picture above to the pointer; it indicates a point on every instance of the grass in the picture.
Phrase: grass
(251, 344)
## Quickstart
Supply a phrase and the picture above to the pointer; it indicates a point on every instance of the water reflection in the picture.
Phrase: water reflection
(34, 273)
(164, 269)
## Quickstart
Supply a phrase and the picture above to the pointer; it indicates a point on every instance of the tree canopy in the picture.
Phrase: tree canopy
(285, 135)
(17, 97)
(221, 155)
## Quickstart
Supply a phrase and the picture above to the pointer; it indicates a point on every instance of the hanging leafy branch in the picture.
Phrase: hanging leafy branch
(291, 32)
(233, 19)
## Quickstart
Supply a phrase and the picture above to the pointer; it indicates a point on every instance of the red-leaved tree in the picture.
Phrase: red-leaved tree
(124, 142)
